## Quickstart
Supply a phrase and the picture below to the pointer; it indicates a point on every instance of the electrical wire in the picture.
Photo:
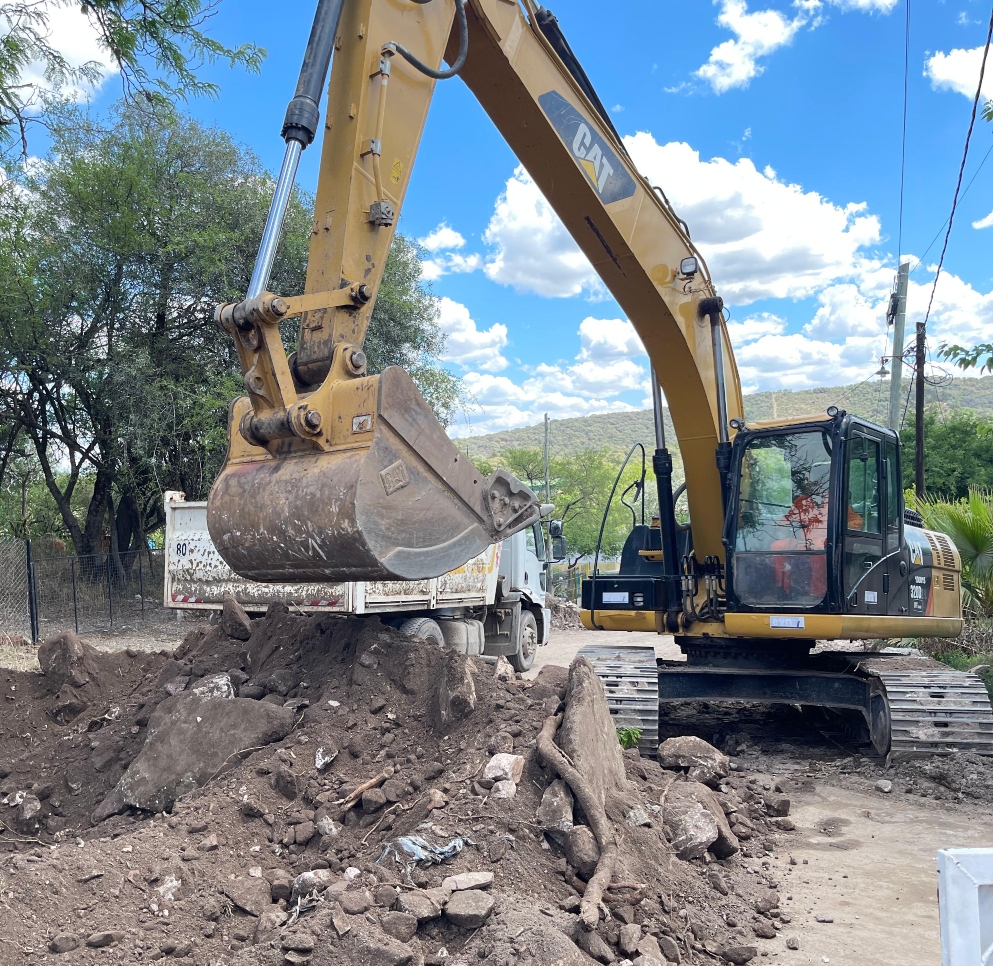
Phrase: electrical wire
(965, 157)
(965, 191)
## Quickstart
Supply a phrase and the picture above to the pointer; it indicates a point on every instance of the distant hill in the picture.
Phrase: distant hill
(617, 431)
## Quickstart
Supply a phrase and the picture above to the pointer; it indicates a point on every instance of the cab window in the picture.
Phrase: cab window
(535, 541)
(863, 485)
(780, 550)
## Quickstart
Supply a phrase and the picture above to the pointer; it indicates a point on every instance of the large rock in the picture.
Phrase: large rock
(371, 947)
(504, 768)
(582, 850)
(555, 811)
(456, 690)
(251, 895)
(67, 660)
(588, 734)
(235, 621)
(469, 909)
(695, 821)
(702, 761)
(190, 740)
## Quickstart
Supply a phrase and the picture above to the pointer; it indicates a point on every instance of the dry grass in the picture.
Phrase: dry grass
(18, 657)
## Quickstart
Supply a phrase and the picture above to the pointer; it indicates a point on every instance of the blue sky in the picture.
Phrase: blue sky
(774, 128)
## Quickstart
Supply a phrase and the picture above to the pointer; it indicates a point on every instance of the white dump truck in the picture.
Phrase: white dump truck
(492, 605)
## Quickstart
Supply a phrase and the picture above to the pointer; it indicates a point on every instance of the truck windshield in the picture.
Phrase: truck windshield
(784, 496)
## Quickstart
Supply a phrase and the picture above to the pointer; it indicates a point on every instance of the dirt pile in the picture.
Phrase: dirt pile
(353, 796)
(565, 614)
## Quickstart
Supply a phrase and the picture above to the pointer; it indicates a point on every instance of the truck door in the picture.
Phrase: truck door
(534, 560)
(862, 519)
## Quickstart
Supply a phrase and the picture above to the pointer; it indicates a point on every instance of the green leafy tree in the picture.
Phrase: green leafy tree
(158, 46)
(114, 378)
(404, 331)
(113, 253)
(580, 487)
(958, 454)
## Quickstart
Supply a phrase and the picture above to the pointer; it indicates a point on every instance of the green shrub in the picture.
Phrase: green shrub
(629, 737)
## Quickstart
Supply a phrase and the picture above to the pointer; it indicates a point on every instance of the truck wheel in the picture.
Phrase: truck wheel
(527, 643)
(423, 629)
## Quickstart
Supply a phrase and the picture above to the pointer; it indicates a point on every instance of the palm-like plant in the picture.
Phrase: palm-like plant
(969, 524)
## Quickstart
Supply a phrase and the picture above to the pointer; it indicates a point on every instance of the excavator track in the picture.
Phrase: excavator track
(913, 705)
(933, 709)
(630, 676)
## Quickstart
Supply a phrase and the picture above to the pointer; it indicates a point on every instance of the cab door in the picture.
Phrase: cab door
(862, 522)
(896, 557)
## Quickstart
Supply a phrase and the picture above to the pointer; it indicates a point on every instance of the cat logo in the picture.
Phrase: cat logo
(591, 158)
(916, 552)
(601, 165)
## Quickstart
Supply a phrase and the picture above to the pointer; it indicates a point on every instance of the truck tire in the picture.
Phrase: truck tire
(423, 629)
(527, 643)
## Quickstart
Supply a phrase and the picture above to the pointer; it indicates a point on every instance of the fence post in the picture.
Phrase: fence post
(32, 593)
(110, 592)
(75, 602)
(141, 585)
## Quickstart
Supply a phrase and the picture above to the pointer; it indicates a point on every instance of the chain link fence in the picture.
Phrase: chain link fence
(99, 593)
(15, 614)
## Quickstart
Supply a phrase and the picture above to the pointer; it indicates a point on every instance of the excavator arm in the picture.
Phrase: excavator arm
(336, 474)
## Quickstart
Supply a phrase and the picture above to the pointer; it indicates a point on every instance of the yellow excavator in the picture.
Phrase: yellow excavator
(797, 529)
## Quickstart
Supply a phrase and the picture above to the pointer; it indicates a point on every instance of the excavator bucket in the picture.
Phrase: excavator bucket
(388, 497)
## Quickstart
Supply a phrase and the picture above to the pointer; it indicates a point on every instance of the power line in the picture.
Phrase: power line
(965, 191)
(903, 143)
(965, 157)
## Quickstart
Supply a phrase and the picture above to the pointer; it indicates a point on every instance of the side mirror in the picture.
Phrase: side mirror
(554, 528)
(559, 550)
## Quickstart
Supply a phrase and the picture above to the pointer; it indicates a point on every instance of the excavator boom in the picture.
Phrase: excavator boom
(333, 473)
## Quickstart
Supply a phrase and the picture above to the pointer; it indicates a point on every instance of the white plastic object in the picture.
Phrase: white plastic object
(965, 904)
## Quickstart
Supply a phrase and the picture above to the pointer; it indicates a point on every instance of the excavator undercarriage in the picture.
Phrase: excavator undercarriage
(902, 704)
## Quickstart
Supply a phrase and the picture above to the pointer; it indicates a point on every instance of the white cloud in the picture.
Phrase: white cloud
(603, 339)
(465, 345)
(754, 328)
(865, 6)
(532, 250)
(847, 336)
(761, 237)
(734, 62)
(986, 222)
(958, 71)
(444, 244)
(72, 34)
(443, 238)
(448, 262)
(503, 404)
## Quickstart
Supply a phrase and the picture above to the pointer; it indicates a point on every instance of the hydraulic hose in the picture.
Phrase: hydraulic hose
(463, 47)
(603, 526)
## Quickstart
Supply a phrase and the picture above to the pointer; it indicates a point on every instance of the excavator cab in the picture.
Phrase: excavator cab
(817, 545)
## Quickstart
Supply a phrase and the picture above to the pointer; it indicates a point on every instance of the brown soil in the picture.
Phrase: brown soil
(177, 885)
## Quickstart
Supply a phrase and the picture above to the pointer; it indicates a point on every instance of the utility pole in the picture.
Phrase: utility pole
(919, 414)
(548, 499)
(897, 317)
